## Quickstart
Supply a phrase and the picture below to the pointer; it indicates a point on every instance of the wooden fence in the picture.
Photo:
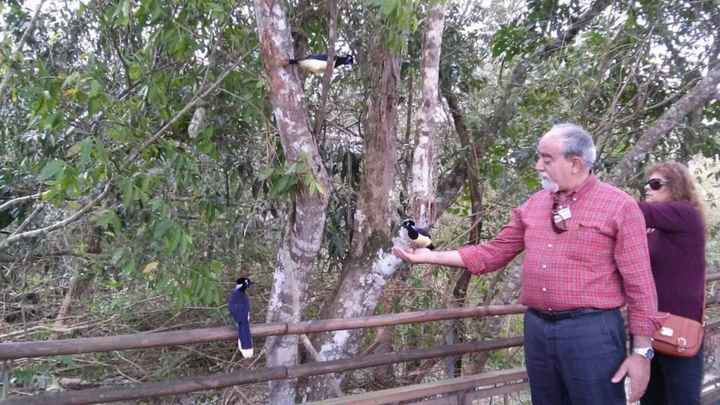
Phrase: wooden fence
(16, 350)
(511, 381)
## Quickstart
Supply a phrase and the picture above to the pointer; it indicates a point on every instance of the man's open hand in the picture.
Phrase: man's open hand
(637, 368)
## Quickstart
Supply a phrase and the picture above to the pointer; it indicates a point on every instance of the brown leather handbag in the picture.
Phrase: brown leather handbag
(678, 336)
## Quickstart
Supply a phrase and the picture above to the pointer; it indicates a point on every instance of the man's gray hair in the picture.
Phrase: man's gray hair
(577, 142)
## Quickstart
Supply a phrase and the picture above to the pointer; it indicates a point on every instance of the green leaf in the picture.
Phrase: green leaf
(388, 6)
(108, 218)
(86, 148)
(69, 180)
(283, 185)
(96, 89)
(162, 228)
(73, 150)
(128, 191)
(135, 72)
(117, 256)
(66, 360)
(122, 12)
(172, 239)
(120, 134)
(266, 173)
(52, 169)
(24, 375)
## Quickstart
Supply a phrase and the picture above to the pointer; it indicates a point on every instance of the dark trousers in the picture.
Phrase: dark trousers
(571, 360)
(674, 380)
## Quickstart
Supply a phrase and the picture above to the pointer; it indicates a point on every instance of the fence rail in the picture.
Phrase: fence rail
(16, 350)
(192, 384)
(511, 377)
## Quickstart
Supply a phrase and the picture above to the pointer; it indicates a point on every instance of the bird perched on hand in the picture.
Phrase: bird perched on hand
(239, 305)
(317, 63)
(420, 237)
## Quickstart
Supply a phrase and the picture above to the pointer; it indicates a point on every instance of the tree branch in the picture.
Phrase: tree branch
(505, 107)
(696, 98)
(19, 200)
(74, 217)
(195, 100)
(27, 220)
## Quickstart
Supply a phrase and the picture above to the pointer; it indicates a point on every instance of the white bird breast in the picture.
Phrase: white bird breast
(313, 65)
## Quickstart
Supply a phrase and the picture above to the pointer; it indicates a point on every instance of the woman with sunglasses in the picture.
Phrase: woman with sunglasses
(674, 215)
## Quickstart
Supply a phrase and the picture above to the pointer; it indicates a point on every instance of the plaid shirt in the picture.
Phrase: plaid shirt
(601, 261)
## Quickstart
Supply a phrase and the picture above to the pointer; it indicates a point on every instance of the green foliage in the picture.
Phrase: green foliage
(399, 20)
(291, 178)
(201, 285)
(510, 41)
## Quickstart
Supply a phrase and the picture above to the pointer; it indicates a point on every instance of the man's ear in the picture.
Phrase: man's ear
(577, 165)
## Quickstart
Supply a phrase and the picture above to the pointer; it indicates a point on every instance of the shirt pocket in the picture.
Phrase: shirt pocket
(591, 243)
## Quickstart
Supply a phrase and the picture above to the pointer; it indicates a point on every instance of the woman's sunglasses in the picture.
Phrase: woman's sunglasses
(656, 184)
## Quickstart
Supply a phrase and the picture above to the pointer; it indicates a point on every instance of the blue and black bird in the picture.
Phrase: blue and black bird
(239, 305)
(419, 237)
(317, 63)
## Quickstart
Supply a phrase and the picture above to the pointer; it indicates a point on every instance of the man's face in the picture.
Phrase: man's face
(555, 170)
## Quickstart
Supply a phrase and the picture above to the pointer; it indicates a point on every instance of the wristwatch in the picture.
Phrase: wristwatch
(646, 352)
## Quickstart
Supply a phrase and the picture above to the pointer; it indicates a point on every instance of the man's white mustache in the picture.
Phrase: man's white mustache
(548, 184)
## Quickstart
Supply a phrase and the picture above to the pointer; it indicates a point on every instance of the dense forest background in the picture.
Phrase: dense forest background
(152, 151)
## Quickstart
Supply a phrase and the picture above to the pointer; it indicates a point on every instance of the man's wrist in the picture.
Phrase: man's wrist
(641, 342)
(646, 352)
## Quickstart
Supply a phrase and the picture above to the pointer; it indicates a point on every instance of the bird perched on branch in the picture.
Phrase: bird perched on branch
(317, 63)
(419, 237)
(239, 305)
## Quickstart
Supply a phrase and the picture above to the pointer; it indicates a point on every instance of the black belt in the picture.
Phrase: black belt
(560, 315)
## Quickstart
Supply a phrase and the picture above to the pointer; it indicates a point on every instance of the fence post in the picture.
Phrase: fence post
(5, 371)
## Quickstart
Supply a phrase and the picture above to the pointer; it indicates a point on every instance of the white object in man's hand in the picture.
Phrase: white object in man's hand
(637, 368)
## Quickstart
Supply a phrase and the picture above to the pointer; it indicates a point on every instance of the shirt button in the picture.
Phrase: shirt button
(549, 309)
(544, 289)
(574, 199)
(544, 266)
(549, 245)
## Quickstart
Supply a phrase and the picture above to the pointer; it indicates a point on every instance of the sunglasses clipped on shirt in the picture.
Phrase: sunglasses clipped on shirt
(559, 217)
(656, 184)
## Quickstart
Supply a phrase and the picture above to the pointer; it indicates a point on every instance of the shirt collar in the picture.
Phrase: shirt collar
(580, 190)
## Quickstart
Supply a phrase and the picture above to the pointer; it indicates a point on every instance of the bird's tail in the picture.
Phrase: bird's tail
(431, 246)
(246, 353)
(245, 344)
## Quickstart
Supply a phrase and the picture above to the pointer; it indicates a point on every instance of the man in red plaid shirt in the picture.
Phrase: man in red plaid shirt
(586, 256)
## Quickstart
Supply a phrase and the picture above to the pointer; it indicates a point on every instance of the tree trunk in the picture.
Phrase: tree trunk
(304, 228)
(430, 118)
(370, 263)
